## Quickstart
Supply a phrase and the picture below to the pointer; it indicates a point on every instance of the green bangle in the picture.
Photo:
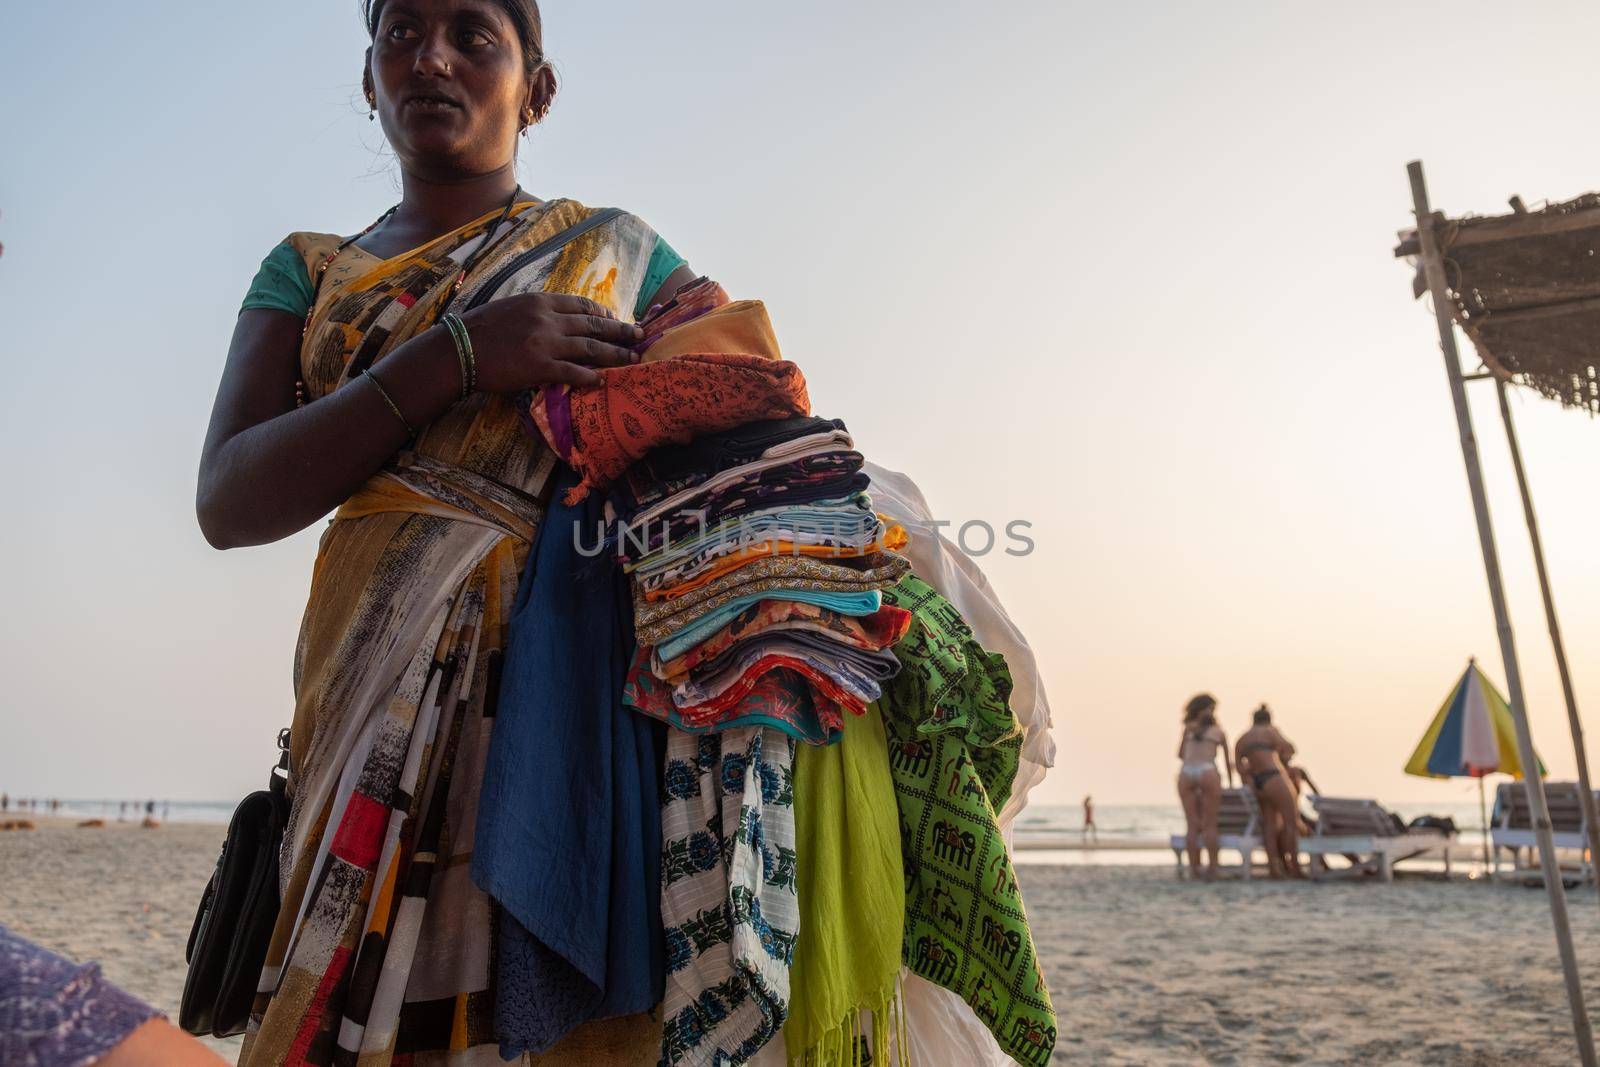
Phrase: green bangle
(387, 399)
(464, 353)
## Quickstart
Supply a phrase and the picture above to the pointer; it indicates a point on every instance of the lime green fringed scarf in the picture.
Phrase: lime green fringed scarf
(852, 901)
(954, 746)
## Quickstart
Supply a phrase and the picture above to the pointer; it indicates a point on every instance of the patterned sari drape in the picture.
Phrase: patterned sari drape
(383, 950)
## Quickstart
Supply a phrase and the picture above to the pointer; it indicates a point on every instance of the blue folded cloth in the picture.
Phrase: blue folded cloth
(569, 823)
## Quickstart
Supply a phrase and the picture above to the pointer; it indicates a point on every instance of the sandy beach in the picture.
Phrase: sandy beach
(1145, 969)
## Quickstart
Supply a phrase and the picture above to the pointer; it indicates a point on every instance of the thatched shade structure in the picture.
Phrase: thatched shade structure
(1521, 286)
(1526, 289)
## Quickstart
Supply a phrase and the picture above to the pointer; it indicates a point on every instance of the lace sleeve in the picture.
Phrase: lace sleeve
(54, 1013)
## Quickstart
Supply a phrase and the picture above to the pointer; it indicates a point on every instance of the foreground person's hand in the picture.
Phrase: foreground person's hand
(533, 339)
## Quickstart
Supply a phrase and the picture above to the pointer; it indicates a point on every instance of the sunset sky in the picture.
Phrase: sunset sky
(1121, 271)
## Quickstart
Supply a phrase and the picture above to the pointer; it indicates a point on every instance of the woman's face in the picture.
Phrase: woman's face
(451, 85)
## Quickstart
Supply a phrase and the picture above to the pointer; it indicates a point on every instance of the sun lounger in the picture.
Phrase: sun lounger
(1239, 826)
(1369, 835)
(1511, 825)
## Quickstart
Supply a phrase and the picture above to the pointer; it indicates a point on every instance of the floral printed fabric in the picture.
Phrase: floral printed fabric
(824, 458)
(781, 699)
(872, 632)
(821, 523)
(745, 493)
(857, 670)
(849, 520)
(680, 642)
(953, 754)
(850, 575)
(728, 899)
(673, 585)
(678, 468)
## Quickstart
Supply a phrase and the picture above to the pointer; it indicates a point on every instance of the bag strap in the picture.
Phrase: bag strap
(278, 781)
(543, 248)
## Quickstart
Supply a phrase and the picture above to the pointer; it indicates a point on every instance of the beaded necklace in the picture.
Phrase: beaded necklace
(455, 289)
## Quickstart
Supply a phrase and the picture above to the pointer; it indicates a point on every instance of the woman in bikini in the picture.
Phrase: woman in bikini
(1263, 756)
(1199, 784)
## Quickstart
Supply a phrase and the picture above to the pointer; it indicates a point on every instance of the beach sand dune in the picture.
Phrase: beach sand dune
(1145, 970)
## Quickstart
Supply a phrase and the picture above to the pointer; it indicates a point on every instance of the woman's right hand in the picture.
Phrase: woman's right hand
(534, 339)
(270, 469)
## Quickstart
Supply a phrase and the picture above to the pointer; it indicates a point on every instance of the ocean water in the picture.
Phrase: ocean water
(1152, 826)
(1127, 823)
(204, 811)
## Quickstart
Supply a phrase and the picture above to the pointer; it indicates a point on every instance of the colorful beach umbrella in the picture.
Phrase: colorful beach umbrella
(1471, 736)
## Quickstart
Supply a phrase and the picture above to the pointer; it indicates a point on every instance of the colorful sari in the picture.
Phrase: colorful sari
(383, 949)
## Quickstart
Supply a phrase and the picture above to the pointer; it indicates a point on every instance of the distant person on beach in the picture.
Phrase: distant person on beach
(5, 802)
(1088, 820)
(55, 1013)
(1199, 783)
(1301, 779)
(1263, 755)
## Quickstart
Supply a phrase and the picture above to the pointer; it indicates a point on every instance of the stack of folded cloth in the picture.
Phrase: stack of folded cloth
(757, 584)
(757, 561)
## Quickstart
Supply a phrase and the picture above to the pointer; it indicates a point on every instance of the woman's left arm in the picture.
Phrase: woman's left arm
(680, 277)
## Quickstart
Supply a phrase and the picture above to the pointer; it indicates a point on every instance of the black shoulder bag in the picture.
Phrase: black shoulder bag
(228, 944)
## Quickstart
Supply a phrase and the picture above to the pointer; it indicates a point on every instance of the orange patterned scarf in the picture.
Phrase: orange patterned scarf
(709, 366)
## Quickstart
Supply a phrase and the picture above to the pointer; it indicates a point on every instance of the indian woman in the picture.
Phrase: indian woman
(371, 375)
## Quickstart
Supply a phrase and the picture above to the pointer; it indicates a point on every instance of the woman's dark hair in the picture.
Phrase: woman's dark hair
(1262, 716)
(1203, 704)
(524, 15)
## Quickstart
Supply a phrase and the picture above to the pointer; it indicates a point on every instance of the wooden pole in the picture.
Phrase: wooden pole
(1483, 818)
(1433, 266)
(1574, 724)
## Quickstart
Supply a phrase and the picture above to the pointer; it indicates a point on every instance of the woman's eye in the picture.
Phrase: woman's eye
(401, 33)
(475, 39)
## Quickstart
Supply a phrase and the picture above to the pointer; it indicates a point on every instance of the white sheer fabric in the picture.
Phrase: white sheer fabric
(941, 1030)
(940, 562)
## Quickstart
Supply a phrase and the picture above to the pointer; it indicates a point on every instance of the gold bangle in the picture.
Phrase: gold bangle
(387, 399)
(464, 354)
